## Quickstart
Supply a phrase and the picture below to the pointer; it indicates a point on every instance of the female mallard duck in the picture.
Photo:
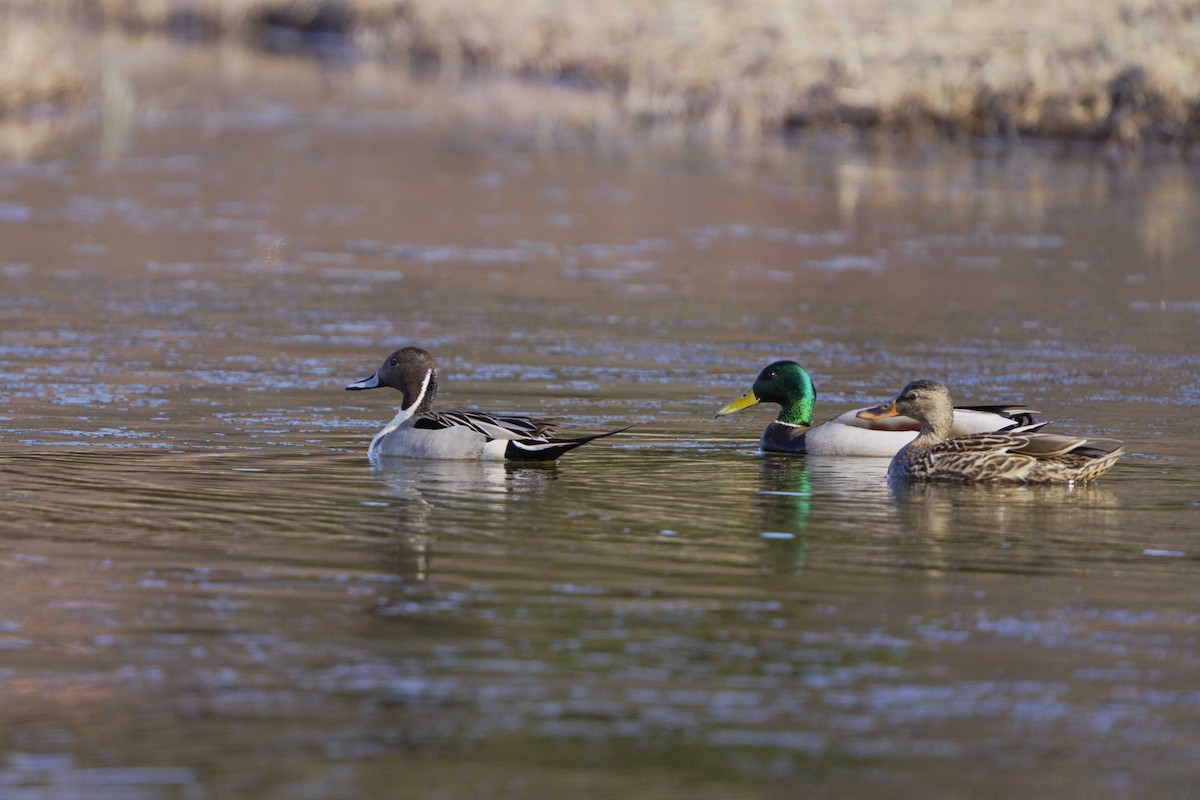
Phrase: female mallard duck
(786, 383)
(986, 457)
(419, 432)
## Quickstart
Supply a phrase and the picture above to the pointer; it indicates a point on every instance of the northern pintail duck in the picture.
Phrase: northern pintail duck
(417, 431)
(848, 434)
(986, 457)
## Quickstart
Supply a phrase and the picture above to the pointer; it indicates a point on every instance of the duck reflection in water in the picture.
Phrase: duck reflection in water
(830, 492)
(428, 498)
(783, 504)
(1026, 529)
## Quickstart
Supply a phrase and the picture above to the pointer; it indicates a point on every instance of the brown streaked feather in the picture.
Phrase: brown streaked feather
(992, 457)
(995, 458)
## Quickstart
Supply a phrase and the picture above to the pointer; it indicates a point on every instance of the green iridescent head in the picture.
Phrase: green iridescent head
(785, 383)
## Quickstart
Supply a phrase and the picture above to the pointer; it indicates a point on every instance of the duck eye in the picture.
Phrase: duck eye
(395, 362)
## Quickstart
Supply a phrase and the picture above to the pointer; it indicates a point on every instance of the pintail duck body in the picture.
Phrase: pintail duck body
(418, 431)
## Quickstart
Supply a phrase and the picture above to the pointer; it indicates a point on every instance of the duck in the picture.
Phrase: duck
(788, 384)
(417, 431)
(1005, 457)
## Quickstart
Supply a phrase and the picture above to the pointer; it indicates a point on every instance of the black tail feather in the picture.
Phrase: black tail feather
(550, 449)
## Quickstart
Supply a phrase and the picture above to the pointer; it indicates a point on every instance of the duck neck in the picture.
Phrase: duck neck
(933, 431)
(796, 407)
(799, 413)
(423, 401)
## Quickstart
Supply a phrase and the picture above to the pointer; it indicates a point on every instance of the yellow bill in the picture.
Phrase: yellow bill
(745, 401)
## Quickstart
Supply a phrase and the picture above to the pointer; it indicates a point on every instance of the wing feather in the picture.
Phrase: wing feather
(490, 426)
(1013, 458)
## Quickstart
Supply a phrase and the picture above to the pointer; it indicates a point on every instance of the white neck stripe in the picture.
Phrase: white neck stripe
(420, 395)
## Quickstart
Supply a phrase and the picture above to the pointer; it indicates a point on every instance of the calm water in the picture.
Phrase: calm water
(207, 592)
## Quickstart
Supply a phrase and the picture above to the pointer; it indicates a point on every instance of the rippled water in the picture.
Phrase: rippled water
(207, 590)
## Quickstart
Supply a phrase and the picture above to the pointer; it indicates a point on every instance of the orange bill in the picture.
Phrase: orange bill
(879, 412)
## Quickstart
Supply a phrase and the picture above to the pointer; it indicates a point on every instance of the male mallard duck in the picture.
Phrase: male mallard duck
(986, 457)
(786, 383)
(419, 432)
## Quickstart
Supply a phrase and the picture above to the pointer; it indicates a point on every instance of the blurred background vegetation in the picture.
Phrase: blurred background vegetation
(1124, 72)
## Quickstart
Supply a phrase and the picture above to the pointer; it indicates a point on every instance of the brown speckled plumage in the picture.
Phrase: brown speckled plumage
(989, 457)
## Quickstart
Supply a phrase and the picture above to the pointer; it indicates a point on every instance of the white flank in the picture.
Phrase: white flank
(968, 421)
(832, 439)
(494, 450)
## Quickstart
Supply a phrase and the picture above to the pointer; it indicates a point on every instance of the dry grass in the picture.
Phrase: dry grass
(1094, 68)
(36, 67)
(1119, 70)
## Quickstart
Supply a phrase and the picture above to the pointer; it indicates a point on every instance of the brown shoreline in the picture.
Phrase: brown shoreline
(1121, 73)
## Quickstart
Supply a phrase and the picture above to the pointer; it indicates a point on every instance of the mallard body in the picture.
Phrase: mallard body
(788, 384)
(936, 455)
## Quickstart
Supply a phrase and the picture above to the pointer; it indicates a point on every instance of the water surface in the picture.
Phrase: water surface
(208, 591)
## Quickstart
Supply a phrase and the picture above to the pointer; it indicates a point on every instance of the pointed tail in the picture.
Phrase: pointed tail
(549, 449)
